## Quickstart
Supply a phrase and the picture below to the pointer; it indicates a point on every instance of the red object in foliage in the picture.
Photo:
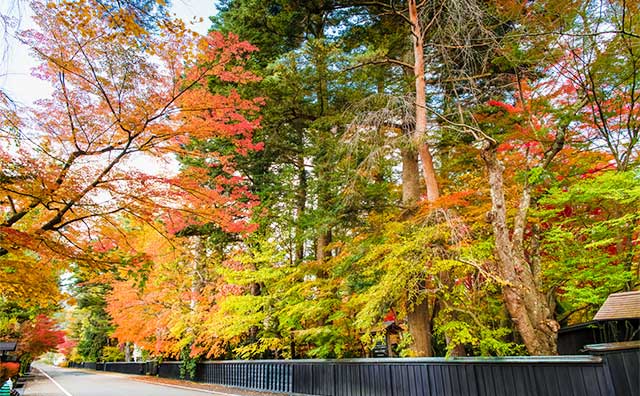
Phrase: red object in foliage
(8, 370)
(390, 316)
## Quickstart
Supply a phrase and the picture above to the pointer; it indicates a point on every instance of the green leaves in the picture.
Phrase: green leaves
(591, 244)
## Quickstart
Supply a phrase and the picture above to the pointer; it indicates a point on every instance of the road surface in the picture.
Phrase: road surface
(55, 381)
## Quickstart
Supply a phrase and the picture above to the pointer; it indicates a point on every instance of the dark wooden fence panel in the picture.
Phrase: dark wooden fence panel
(584, 376)
(273, 376)
(126, 368)
(624, 368)
(90, 365)
(169, 370)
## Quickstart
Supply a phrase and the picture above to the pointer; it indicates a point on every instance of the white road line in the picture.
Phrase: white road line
(188, 388)
(55, 382)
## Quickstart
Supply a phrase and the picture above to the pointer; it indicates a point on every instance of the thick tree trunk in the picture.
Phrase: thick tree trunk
(127, 351)
(418, 315)
(527, 305)
(419, 319)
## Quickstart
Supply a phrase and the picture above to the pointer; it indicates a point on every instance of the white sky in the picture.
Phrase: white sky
(16, 64)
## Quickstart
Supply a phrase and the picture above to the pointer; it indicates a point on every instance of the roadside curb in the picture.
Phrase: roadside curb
(186, 387)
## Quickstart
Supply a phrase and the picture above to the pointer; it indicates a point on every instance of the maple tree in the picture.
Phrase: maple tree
(72, 166)
(543, 144)
(592, 226)
(116, 101)
(167, 317)
(38, 336)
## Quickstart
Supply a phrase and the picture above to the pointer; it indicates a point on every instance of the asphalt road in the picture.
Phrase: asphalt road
(55, 381)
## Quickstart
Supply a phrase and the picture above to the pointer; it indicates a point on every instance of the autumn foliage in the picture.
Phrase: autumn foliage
(38, 336)
(472, 168)
(8, 370)
(523, 127)
(76, 169)
(101, 151)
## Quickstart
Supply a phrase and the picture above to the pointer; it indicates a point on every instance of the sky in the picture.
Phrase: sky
(16, 64)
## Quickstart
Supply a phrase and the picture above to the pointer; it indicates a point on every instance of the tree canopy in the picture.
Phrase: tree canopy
(310, 172)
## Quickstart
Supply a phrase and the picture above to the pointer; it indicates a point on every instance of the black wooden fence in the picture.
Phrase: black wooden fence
(604, 373)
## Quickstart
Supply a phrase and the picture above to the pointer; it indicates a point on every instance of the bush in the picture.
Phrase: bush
(8, 370)
(112, 354)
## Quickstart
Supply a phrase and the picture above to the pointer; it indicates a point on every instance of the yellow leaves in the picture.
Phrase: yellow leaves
(28, 281)
(264, 344)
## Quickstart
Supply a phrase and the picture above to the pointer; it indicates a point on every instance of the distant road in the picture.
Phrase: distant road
(55, 381)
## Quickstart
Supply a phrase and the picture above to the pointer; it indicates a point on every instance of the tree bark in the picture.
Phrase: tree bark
(418, 314)
(254, 290)
(127, 351)
(419, 134)
(527, 305)
(419, 319)
(410, 177)
(301, 203)
(322, 242)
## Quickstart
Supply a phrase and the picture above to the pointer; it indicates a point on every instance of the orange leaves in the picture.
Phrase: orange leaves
(205, 115)
(137, 319)
(121, 90)
(456, 199)
(156, 318)
(8, 370)
(219, 56)
(505, 106)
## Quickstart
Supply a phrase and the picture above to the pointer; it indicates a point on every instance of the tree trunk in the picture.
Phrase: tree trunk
(301, 203)
(254, 290)
(418, 314)
(410, 177)
(419, 319)
(322, 242)
(197, 281)
(527, 305)
(419, 134)
(127, 351)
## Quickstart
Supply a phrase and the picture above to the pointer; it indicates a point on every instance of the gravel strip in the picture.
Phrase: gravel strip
(209, 387)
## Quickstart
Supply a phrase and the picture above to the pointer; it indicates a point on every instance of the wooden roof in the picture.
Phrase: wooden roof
(8, 346)
(620, 306)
